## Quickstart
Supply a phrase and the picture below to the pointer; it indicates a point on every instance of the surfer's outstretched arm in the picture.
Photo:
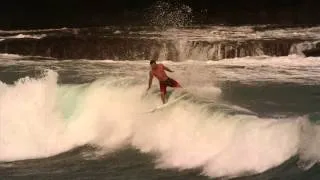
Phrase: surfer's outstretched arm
(167, 69)
(150, 80)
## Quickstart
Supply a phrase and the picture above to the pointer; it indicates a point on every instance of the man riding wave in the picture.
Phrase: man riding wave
(158, 70)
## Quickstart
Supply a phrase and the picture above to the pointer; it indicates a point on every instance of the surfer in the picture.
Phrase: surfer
(158, 70)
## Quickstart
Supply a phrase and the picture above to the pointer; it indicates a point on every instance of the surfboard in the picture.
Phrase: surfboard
(170, 103)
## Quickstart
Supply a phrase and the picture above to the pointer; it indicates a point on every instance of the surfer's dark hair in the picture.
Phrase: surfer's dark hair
(152, 61)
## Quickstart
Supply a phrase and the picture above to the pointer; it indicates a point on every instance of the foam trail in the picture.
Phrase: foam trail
(39, 118)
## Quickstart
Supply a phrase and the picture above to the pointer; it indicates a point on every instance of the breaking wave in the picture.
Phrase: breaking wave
(40, 118)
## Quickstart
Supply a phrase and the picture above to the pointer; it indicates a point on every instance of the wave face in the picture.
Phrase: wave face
(40, 118)
(144, 43)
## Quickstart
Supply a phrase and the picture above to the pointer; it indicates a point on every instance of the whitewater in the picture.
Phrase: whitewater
(40, 118)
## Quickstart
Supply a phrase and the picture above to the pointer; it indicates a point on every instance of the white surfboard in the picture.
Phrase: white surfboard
(167, 104)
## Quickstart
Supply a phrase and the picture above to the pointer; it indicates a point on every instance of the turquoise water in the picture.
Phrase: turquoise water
(70, 99)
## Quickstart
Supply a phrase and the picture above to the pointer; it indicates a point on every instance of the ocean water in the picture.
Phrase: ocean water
(248, 117)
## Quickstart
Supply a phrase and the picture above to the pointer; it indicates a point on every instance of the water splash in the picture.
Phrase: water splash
(165, 14)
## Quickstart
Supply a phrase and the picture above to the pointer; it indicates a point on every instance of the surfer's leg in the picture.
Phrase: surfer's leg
(163, 97)
(163, 91)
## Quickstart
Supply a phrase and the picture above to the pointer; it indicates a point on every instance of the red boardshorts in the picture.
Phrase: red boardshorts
(169, 82)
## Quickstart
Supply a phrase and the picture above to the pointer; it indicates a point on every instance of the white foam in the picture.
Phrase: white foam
(23, 36)
(300, 47)
(9, 56)
(208, 33)
(219, 33)
(109, 113)
(30, 31)
(30, 126)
